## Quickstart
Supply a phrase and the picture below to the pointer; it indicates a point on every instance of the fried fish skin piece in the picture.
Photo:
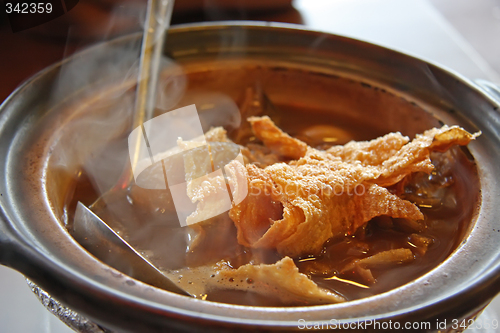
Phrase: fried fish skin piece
(259, 209)
(282, 280)
(384, 258)
(275, 139)
(259, 155)
(331, 193)
(398, 159)
(312, 215)
(372, 152)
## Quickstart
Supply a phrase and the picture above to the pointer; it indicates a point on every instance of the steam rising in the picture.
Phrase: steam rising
(94, 140)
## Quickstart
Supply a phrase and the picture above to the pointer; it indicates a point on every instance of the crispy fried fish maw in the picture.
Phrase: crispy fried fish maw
(372, 152)
(259, 155)
(313, 214)
(381, 259)
(384, 258)
(259, 209)
(314, 208)
(325, 196)
(275, 139)
(391, 158)
(282, 280)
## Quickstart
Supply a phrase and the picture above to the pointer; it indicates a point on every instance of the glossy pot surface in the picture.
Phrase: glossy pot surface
(377, 87)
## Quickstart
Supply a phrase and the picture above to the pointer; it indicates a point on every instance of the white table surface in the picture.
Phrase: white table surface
(412, 26)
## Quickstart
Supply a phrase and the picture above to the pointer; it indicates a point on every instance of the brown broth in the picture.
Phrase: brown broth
(147, 220)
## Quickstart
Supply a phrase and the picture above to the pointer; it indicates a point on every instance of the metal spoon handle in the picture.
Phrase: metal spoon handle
(159, 13)
(158, 17)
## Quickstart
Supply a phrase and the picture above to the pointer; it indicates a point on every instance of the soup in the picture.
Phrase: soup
(447, 198)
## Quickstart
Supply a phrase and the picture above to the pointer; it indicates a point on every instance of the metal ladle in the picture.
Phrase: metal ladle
(106, 245)
(89, 230)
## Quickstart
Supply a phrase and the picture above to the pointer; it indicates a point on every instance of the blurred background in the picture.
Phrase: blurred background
(459, 34)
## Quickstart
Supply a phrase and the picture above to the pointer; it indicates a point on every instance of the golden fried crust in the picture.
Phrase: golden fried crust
(392, 158)
(384, 258)
(446, 137)
(314, 208)
(414, 156)
(330, 194)
(216, 134)
(259, 155)
(255, 214)
(275, 139)
(372, 152)
(282, 280)
(314, 213)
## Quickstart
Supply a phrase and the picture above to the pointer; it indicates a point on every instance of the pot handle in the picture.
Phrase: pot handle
(7, 241)
(492, 89)
(18, 254)
(13, 251)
